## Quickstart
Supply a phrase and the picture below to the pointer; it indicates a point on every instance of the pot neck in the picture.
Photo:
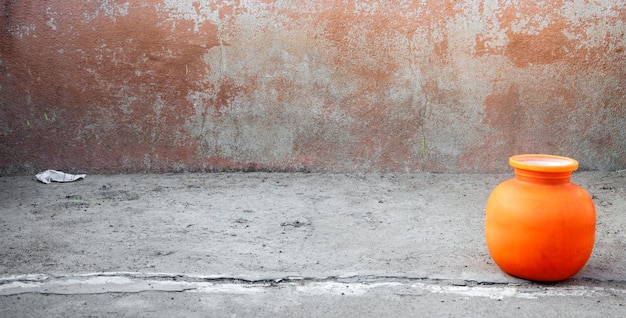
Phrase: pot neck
(542, 177)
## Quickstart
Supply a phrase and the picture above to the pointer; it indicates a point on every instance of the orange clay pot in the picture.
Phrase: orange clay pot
(539, 226)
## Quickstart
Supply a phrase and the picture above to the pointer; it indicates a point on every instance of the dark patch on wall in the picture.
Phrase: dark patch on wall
(506, 115)
(6, 24)
(547, 47)
(103, 94)
(7, 14)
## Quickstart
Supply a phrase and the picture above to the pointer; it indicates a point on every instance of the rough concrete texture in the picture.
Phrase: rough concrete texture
(284, 245)
(173, 85)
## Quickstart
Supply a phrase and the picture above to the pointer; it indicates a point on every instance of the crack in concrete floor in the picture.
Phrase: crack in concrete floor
(356, 285)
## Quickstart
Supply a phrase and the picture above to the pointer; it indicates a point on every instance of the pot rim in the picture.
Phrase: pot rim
(543, 163)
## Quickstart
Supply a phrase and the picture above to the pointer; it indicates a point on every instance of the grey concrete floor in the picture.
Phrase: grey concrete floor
(289, 245)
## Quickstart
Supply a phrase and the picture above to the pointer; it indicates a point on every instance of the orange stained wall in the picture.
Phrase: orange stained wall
(108, 86)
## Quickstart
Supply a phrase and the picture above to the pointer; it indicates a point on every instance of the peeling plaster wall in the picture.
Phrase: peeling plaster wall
(450, 86)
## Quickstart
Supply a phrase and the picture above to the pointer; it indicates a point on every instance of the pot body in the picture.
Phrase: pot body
(539, 226)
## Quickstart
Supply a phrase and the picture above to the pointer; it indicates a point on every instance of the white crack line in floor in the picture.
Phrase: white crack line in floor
(355, 285)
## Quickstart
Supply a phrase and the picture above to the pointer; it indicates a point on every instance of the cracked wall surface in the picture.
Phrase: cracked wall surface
(173, 85)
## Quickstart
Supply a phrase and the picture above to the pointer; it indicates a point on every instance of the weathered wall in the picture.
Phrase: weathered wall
(457, 86)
